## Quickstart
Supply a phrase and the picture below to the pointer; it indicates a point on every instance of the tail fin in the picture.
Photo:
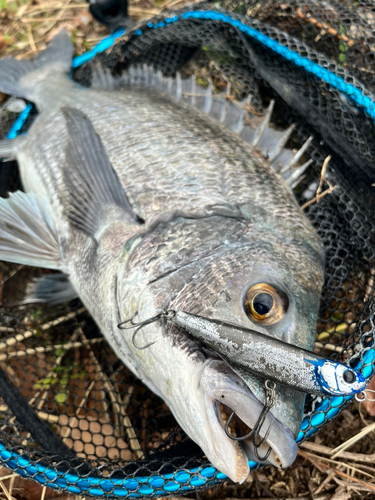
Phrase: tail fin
(58, 54)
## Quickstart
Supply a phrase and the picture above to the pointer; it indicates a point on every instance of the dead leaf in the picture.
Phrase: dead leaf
(3, 43)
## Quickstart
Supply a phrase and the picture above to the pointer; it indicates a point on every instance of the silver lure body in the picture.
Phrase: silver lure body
(217, 220)
(270, 357)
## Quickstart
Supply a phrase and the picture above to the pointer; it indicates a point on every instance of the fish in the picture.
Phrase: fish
(146, 204)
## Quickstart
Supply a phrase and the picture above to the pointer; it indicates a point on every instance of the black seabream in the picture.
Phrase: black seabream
(146, 204)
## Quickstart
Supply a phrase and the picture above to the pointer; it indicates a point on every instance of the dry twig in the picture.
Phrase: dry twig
(322, 466)
(43, 495)
(319, 194)
(31, 39)
(30, 333)
(62, 12)
(5, 490)
(134, 444)
(12, 273)
(337, 451)
(326, 450)
(119, 408)
(323, 26)
(322, 485)
(328, 347)
(370, 285)
(39, 350)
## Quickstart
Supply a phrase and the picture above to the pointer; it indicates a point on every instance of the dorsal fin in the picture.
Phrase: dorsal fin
(94, 192)
(236, 116)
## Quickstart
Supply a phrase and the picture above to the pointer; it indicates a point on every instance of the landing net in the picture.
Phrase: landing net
(318, 63)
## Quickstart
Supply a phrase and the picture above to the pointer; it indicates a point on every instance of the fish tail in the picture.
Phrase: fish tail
(15, 75)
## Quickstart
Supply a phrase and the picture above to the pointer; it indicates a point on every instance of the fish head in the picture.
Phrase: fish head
(201, 389)
(266, 282)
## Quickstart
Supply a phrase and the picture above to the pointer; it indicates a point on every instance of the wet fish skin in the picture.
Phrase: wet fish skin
(217, 219)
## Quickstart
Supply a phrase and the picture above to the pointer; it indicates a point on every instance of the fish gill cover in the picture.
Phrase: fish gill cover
(317, 61)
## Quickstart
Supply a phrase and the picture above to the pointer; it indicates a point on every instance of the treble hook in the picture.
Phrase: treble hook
(130, 320)
(141, 324)
(270, 401)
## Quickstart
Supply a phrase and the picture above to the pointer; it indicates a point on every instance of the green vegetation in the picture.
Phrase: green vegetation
(343, 47)
(202, 82)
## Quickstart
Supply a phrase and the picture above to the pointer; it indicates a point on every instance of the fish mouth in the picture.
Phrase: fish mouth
(225, 393)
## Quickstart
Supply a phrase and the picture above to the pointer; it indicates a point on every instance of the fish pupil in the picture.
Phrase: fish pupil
(349, 376)
(262, 303)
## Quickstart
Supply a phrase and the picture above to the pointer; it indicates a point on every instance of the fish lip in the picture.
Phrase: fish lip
(238, 470)
(284, 448)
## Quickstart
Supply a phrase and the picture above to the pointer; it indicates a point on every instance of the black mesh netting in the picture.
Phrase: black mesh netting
(318, 63)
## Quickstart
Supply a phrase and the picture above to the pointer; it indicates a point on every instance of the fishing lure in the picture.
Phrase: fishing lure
(264, 355)
(274, 359)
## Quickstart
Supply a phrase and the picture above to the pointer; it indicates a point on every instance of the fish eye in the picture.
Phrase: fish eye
(266, 304)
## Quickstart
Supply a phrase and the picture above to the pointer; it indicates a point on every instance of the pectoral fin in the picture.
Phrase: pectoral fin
(95, 196)
(27, 233)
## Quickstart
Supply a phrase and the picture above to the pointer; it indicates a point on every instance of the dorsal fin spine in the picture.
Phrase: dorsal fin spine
(251, 127)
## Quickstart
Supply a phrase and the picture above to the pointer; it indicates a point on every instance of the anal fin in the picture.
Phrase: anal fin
(27, 233)
(52, 289)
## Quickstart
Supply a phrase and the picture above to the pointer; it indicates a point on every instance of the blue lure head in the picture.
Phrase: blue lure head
(336, 379)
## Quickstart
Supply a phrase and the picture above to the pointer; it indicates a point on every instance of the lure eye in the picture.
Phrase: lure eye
(349, 376)
(266, 304)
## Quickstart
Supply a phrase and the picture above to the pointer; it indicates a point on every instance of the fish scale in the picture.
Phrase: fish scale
(220, 181)
(188, 233)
